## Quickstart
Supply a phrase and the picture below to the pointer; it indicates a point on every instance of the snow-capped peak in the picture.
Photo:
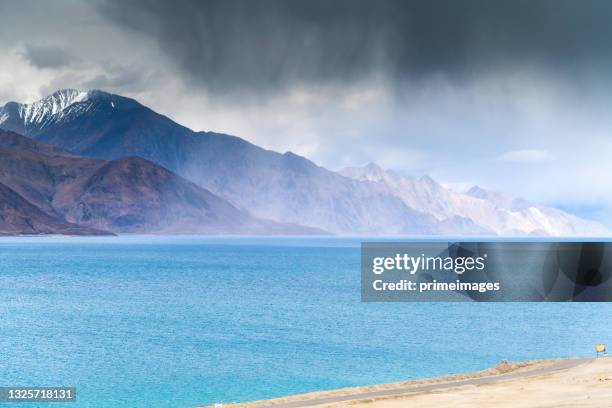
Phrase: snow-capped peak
(50, 109)
(37, 112)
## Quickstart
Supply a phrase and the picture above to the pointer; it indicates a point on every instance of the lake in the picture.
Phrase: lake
(145, 321)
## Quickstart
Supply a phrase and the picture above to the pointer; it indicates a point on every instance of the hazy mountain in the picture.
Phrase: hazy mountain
(490, 211)
(125, 195)
(282, 187)
(20, 217)
(499, 199)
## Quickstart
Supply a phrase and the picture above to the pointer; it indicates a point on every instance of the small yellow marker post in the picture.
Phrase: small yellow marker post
(600, 348)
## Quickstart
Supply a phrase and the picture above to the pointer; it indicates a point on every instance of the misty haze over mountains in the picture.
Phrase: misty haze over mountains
(206, 182)
(127, 195)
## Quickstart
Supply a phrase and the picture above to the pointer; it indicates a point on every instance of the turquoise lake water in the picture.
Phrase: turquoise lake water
(183, 321)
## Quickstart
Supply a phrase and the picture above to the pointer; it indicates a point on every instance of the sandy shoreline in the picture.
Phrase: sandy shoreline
(543, 383)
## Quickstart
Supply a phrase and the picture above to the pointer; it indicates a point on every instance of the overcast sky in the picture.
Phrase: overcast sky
(510, 95)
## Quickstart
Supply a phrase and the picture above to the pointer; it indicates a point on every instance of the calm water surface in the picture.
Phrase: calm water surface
(182, 321)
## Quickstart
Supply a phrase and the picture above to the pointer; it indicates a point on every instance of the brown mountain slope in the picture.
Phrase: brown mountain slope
(16, 141)
(129, 195)
(19, 217)
(135, 195)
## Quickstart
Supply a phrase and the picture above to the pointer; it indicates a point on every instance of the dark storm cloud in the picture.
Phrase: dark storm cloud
(47, 56)
(271, 43)
(118, 78)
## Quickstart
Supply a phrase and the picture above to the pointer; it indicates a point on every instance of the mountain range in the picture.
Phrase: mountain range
(126, 195)
(121, 151)
(494, 213)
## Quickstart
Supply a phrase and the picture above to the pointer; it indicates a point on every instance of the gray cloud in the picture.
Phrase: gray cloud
(121, 79)
(47, 56)
(264, 44)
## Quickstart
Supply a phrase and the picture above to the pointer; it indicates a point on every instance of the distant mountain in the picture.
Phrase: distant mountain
(490, 211)
(499, 199)
(130, 194)
(20, 217)
(281, 187)
(286, 187)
